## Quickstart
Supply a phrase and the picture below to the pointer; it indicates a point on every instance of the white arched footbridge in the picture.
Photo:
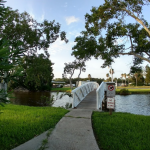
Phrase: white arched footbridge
(89, 95)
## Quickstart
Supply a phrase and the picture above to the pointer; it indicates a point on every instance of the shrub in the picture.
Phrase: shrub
(124, 92)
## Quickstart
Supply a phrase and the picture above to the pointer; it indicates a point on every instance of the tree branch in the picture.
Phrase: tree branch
(131, 43)
(139, 56)
(147, 54)
(137, 19)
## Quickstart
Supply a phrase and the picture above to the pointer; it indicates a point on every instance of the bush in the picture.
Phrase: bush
(124, 92)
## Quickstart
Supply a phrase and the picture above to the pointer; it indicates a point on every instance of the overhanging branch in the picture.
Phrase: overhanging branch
(139, 56)
(137, 19)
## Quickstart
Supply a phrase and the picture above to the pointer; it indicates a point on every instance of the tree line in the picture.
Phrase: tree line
(21, 37)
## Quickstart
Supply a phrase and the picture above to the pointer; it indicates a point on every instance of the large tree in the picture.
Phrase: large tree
(82, 68)
(92, 42)
(25, 32)
(115, 9)
(6, 57)
(72, 66)
(21, 35)
(37, 73)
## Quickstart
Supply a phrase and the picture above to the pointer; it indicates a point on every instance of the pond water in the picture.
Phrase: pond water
(34, 98)
(136, 104)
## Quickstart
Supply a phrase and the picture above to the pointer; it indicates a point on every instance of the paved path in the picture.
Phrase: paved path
(89, 102)
(73, 132)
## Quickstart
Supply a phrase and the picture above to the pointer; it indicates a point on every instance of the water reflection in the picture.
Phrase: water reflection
(136, 104)
(34, 98)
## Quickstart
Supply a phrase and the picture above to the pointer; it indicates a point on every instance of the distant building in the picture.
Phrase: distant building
(83, 82)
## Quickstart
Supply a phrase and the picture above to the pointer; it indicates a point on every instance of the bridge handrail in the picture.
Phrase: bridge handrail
(100, 95)
(82, 91)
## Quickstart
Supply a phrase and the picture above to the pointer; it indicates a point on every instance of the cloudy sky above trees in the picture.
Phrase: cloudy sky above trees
(70, 14)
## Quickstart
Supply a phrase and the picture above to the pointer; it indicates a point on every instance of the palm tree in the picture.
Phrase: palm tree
(116, 81)
(122, 77)
(128, 75)
(111, 71)
(107, 75)
(125, 77)
(136, 75)
(89, 76)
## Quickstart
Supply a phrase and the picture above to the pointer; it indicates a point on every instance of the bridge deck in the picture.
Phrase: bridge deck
(89, 102)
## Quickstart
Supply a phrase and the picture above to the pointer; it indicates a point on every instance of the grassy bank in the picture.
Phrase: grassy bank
(135, 91)
(64, 89)
(134, 87)
(19, 124)
(121, 131)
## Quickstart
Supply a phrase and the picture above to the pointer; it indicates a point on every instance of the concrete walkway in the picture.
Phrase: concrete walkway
(73, 132)
(89, 102)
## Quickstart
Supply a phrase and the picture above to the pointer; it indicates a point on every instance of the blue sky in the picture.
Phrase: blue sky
(70, 14)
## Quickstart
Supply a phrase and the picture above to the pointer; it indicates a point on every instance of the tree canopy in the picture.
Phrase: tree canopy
(21, 35)
(118, 33)
(25, 32)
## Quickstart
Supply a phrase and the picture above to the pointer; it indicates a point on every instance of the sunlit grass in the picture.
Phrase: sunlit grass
(121, 131)
(64, 89)
(19, 124)
(135, 91)
(134, 87)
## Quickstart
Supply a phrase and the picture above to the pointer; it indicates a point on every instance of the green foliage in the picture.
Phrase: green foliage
(121, 131)
(20, 34)
(68, 105)
(147, 79)
(22, 123)
(92, 43)
(136, 90)
(36, 73)
(137, 79)
(48, 101)
(124, 92)
(23, 31)
(64, 89)
(71, 67)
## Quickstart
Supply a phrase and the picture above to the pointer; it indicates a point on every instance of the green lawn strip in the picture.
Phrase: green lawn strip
(136, 91)
(121, 131)
(133, 87)
(19, 124)
(60, 89)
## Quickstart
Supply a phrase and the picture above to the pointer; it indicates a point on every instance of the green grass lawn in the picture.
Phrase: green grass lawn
(64, 89)
(135, 91)
(134, 87)
(19, 124)
(121, 131)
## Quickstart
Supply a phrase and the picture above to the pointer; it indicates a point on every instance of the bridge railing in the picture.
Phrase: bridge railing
(82, 91)
(100, 95)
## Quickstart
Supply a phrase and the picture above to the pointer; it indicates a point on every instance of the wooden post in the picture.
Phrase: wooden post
(110, 111)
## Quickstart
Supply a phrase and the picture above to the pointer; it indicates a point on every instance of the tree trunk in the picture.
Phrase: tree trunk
(78, 77)
(70, 83)
(136, 81)
(137, 19)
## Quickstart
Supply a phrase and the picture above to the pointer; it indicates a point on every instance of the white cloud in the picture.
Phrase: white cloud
(71, 19)
(60, 52)
(66, 4)
(32, 14)
(59, 46)
(73, 34)
(42, 17)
